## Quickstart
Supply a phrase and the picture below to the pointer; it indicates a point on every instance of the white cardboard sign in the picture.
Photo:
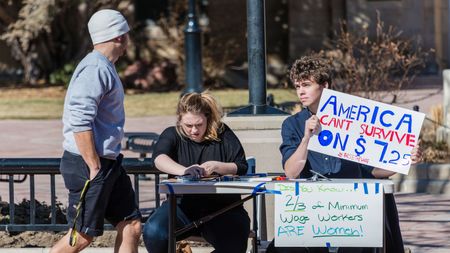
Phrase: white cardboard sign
(328, 214)
(366, 131)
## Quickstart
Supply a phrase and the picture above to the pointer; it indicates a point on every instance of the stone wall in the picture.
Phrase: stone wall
(424, 178)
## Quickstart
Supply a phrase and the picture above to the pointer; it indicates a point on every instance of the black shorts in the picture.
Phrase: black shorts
(110, 195)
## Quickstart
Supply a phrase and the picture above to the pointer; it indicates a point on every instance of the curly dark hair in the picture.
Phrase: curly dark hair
(311, 67)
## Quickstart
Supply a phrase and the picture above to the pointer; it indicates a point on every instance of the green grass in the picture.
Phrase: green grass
(31, 108)
(47, 103)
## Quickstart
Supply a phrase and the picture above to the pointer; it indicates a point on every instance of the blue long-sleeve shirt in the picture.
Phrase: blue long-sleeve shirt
(94, 101)
(292, 132)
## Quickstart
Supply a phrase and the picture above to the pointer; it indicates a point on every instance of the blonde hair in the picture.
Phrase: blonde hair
(206, 104)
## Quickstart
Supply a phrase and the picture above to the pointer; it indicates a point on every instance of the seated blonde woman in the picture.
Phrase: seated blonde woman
(200, 145)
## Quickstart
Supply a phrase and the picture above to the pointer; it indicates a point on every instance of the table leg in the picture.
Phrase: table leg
(383, 247)
(255, 224)
(384, 224)
(172, 222)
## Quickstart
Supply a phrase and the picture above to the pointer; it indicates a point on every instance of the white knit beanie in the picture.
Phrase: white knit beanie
(107, 24)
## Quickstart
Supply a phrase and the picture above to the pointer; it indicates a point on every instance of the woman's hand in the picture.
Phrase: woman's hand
(416, 154)
(195, 171)
(312, 126)
(211, 167)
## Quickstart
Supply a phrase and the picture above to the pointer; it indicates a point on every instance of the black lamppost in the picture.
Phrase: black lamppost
(192, 47)
(256, 51)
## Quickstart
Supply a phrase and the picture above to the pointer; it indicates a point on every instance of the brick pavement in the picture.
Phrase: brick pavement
(43, 138)
(425, 221)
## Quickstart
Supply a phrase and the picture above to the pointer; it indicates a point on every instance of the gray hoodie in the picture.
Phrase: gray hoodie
(94, 101)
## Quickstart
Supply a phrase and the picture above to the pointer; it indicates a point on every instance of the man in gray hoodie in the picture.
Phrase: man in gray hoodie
(93, 120)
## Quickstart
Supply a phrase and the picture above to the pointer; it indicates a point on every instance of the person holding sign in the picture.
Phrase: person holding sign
(310, 76)
(200, 145)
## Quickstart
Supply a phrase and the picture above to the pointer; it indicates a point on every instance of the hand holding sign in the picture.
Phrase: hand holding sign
(312, 126)
(416, 154)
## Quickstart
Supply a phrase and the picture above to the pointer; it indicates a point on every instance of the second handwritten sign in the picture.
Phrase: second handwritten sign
(328, 214)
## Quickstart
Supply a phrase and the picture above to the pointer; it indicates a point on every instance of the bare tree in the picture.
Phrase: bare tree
(387, 62)
(44, 35)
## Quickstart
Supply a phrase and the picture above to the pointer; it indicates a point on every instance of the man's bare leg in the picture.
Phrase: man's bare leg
(128, 234)
(63, 246)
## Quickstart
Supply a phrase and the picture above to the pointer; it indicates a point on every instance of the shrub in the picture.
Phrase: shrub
(62, 75)
(364, 65)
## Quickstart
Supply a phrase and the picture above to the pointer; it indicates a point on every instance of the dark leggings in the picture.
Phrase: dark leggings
(227, 232)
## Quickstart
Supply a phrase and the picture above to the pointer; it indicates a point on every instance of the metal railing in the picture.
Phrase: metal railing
(30, 167)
